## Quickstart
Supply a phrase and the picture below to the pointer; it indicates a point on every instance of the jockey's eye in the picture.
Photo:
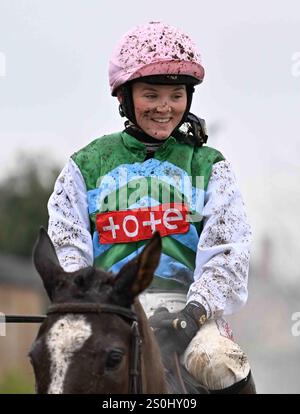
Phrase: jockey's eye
(114, 358)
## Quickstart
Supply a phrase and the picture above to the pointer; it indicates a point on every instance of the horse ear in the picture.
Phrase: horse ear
(46, 261)
(136, 275)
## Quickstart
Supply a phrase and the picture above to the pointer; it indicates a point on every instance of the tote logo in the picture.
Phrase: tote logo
(134, 225)
(2, 65)
(2, 325)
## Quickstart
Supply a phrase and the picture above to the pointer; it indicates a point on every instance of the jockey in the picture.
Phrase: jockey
(158, 175)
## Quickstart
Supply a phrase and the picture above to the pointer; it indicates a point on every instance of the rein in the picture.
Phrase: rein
(25, 318)
(135, 379)
(62, 308)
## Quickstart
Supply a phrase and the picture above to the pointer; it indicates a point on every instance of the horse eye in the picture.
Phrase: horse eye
(114, 358)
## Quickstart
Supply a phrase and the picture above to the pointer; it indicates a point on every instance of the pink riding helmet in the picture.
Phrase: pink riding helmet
(154, 48)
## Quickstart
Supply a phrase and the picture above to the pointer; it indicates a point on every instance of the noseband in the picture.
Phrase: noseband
(135, 378)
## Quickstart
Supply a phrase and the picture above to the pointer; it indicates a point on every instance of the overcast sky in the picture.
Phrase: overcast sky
(54, 93)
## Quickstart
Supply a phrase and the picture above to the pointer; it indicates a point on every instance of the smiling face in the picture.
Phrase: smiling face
(158, 108)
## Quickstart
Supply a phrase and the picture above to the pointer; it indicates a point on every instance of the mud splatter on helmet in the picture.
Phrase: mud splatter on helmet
(153, 49)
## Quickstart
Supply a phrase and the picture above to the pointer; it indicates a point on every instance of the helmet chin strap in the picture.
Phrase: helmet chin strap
(121, 111)
(196, 131)
(126, 108)
(189, 90)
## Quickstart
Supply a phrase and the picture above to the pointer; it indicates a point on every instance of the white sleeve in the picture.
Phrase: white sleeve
(222, 261)
(69, 225)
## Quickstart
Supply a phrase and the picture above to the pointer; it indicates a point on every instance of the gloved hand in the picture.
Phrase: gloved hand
(185, 323)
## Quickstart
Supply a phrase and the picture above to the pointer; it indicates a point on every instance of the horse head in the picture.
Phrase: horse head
(89, 342)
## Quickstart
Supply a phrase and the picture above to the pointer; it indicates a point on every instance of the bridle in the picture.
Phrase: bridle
(135, 377)
(135, 386)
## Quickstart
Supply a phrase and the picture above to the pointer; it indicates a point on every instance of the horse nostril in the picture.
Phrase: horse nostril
(114, 358)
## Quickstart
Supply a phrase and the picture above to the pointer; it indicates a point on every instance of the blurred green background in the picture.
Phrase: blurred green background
(23, 209)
